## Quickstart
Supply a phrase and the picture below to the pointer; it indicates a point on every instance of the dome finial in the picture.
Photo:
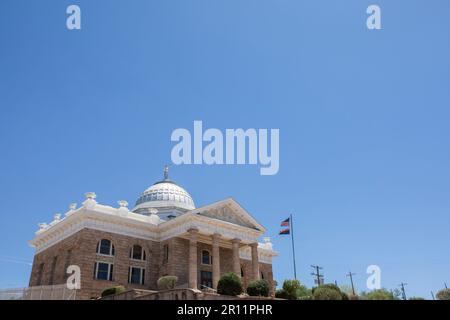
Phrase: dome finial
(166, 172)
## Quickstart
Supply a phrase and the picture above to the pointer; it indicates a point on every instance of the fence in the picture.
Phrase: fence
(55, 292)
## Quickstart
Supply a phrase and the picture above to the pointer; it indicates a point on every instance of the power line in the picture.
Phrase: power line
(350, 274)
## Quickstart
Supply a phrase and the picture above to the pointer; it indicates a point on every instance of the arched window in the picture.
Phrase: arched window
(105, 247)
(206, 257)
(137, 253)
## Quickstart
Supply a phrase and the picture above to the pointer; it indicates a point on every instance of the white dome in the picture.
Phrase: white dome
(165, 194)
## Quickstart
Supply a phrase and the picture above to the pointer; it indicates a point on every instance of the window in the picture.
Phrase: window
(40, 274)
(206, 279)
(166, 253)
(103, 271)
(262, 275)
(206, 257)
(105, 247)
(242, 272)
(136, 275)
(53, 270)
(67, 263)
(137, 253)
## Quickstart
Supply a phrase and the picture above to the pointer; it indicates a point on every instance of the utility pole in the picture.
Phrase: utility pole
(402, 286)
(445, 284)
(432, 295)
(319, 277)
(350, 274)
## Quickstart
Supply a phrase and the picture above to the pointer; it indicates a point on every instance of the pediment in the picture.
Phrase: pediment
(230, 211)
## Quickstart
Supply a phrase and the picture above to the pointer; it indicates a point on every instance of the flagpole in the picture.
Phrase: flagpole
(293, 247)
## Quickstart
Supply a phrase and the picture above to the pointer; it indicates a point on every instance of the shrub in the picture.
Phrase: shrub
(293, 290)
(328, 292)
(379, 294)
(230, 284)
(167, 282)
(280, 294)
(258, 288)
(444, 294)
(113, 290)
(290, 289)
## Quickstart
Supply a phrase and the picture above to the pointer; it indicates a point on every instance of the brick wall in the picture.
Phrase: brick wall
(80, 249)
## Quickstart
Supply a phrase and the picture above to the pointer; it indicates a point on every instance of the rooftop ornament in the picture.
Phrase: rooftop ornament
(90, 200)
(123, 208)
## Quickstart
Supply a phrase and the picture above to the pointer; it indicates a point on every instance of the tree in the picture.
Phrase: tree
(167, 282)
(379, 294)
(304, 293)
(230, 284)
(258, 288)
(443, 294)
(289, 290)
(416, 298)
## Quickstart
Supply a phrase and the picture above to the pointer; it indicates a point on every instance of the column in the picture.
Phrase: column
(215, 259)
(255, 262)
(236, 259)
(193, 274)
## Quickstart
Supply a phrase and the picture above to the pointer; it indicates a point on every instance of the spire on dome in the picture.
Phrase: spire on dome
(166, 172)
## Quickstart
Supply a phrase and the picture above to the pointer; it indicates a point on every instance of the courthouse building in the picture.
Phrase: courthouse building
(164, 234)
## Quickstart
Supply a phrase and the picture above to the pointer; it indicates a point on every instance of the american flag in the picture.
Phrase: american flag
(286, 223)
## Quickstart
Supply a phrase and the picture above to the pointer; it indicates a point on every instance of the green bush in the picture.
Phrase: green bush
(290, 289)
(280, 294)
(379, 294)
(230, 284)
(328, 292)
(444, 294)
(113, 290)
(167, 282)
(293, 290)
(258, 288)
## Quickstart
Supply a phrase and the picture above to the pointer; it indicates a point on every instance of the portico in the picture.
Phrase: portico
(217, 241)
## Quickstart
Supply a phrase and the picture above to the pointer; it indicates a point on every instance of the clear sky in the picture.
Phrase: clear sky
(363, 118)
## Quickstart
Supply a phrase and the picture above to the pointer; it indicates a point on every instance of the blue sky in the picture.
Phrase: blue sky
(363, 118)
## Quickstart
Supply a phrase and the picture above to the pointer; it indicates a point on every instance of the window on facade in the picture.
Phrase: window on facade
(103, 271)
(206, 257)
(242, 272)
(262, 275)
(67, 263)
(136, 275)
(137, 253)
(40, 274)
(53, 270)
(105, 247)
(166, 253)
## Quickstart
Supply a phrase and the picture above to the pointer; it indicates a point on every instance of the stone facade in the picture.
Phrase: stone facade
(173, 256)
